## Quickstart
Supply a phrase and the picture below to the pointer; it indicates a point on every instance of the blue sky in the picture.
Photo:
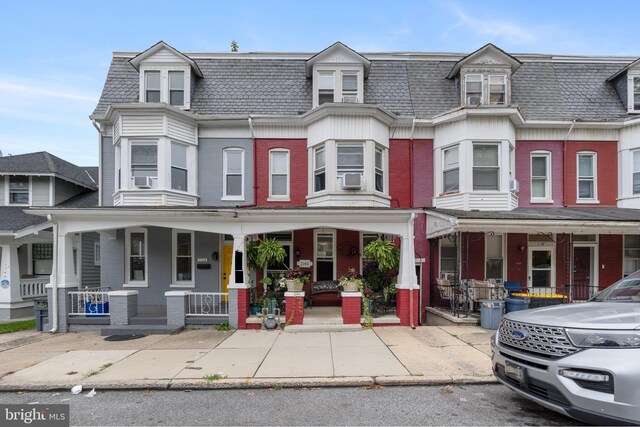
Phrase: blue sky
(55, 54)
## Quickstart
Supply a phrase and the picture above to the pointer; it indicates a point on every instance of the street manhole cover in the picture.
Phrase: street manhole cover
(124, 337)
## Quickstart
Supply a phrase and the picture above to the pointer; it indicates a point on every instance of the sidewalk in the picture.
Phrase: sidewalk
(243, 359)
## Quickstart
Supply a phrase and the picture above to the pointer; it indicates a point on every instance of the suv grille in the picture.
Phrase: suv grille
(545, 341)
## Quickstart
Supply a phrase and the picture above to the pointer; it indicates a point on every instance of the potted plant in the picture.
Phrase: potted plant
(295, 279)
(351, 281)
(385, 253)
(267, 252)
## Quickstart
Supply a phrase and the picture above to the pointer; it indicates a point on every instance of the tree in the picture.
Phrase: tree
(234, 46)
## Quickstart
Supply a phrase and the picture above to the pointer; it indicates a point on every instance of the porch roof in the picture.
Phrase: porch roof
(588, 220)
(14, 219)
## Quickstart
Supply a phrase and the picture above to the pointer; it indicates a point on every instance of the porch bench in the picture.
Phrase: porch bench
(325, 291)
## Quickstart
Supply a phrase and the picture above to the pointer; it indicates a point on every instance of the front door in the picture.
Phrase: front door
(325, 255)
(227, 251)
(541, 268)
(582, 271)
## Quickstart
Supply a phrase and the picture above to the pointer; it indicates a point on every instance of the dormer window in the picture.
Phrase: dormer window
(152, 86)
(338, 86)
(349, 87)
(636, 94)
(176, 88)
(485, 89)
(473, 88)
(18, 190)
(497, 90)
(325, 87)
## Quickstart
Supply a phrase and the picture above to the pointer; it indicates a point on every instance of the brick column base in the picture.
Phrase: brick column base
(351, 308)
(403, 307)
(243, 307)
(294, 302)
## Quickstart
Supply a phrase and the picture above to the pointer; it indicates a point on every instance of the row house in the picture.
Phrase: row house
(487, 165)
(26, 241)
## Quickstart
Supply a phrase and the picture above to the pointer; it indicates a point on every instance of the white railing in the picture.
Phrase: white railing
(90, 302)
(210, 304)
(33, 288)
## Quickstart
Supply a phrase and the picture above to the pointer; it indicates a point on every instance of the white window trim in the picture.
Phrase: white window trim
(482, 91)
(127, 242)
(633, 171)
(338, 72)
(175, 283)
(549, 182)
(279, 197)
(354, 144)
(7, 193)
(334, 258)
(96, 254)
(144, 87)
(384, 168)
(155, 184)
(444, 151)
(164, 83)
(322, 148)
(186, 169)
(184, 87)
(504, 255)
(504, 82)
(224, 174)
(632, 75)
(498, 146)
(546, 246)
(594, 199)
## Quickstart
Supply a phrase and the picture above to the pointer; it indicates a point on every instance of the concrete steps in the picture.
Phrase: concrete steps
(148, 320)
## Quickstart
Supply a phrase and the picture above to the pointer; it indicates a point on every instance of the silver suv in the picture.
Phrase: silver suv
(582, 360)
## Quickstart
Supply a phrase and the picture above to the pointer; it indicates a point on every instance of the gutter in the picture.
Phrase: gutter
(54, 276)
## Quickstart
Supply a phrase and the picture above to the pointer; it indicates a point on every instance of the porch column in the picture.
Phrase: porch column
(351, 308)
(408, 289)
(123, 305)
(63, 257)
(177, 307)
(9, 277)
(295, 308)
(238, 292)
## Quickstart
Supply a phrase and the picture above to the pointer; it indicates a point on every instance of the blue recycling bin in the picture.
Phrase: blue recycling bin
(517, 304)
(490, 313)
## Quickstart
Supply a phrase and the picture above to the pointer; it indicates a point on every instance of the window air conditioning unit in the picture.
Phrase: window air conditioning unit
(352, 181)
(350, 99)
(514, 185)
(142, 181)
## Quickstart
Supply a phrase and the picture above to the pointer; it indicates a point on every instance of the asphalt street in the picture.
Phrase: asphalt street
(493, 405)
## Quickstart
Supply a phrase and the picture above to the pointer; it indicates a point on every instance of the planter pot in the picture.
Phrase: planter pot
(255, 309)
(351, 286)
(96, 308)
(294, 285)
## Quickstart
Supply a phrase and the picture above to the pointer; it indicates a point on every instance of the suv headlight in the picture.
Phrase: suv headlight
(603, 338)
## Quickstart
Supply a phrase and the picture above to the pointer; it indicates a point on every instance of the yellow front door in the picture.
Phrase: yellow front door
(227, 252)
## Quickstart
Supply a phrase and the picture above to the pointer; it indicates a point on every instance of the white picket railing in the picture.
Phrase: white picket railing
(209, 304)
(33, 288)
(90, 302)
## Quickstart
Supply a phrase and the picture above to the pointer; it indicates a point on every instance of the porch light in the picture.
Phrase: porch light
(297, 253)
(214, 256)
(584, 376)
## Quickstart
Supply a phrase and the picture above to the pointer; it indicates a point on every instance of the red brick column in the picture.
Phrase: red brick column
(351, 308)
(403, 307)
(243, 307)
(294, 302)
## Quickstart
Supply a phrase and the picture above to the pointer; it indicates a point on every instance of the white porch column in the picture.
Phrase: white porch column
(9, 275)
(408, 293)
(238, 292)
(63, 257)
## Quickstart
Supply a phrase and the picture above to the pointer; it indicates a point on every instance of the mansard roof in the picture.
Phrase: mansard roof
(135, 61)
(544, 87)
(338, 52)
(43, 163)
(488, 54)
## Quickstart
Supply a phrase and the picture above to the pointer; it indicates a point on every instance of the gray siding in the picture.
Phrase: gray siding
(160, 263)
(65, 190)
(40, 186)
(210, 178)
(90, 271)
(107, 171)
(621, 88)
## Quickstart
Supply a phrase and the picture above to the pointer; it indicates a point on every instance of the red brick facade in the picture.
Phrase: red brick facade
(351, 310)
(295, 310)
(607, 171)
(298, 177)
(404, 306)
(610, 259)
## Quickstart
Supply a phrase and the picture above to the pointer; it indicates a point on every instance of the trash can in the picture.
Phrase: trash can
(517, 304)
(490, 313)
(41, 312)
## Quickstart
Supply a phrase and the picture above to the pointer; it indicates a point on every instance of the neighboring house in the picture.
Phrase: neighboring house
(26, 241)
(488, 165)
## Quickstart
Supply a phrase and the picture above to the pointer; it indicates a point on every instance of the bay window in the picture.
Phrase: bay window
(350, 158)
(319, 170)
(183, 250)
(279, 174)
(233, 167)
(450, 170)
(587, 184)
(636, 172)
(179, 173)
(540, 179)
(144, 159)
(379, 170)
(486, 167)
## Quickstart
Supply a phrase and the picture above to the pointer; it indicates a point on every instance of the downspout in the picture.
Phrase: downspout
(413, 126)
(410, 226)
(54, 276)
(564, 162)
(255, 160)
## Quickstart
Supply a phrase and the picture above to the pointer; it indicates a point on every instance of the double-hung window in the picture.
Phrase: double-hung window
(379, 169)
(486, 167)
(319, 170)
(326, 87)
(494, 257)
(636, 172)
(473, 89)
(636, 94)
(450, 170)
(136, 243)
(144, 159)
(233, 166)
(152, 86)
(350, 158)
(587, 184)
(176, 88)
(497, 90)
(19, 190)
(183, 242)
(279, 174)
(179, 174)
(540, 181)
(350, 88)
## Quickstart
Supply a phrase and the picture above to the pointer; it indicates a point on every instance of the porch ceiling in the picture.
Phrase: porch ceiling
(535, 220)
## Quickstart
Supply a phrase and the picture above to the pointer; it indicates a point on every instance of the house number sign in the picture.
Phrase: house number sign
(4, 284)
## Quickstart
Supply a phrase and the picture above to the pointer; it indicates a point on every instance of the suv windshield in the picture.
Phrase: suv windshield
(624, 290)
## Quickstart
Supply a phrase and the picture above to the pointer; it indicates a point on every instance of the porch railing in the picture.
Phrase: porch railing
(208, 304)
(33, 288)
(90, 302)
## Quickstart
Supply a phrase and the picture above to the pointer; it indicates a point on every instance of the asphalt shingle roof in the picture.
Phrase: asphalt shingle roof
(556, 213)
(15, 218)
(542, 89)
(45, 163)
